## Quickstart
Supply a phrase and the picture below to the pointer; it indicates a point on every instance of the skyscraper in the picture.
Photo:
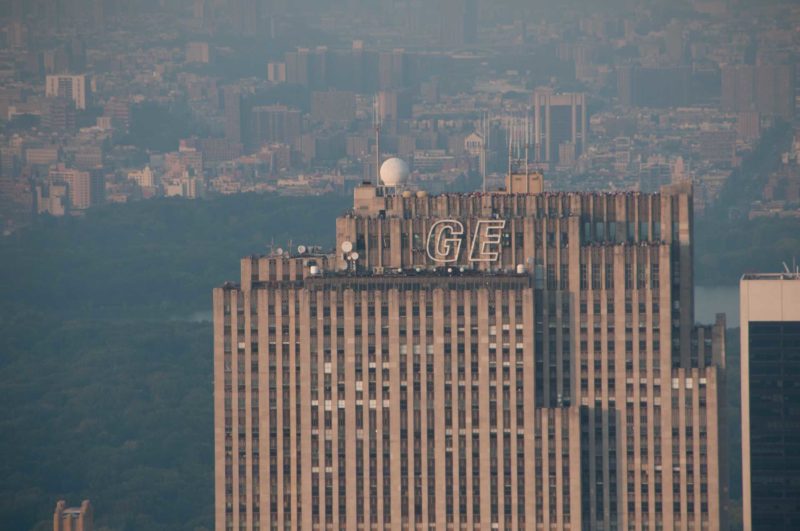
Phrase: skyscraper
(458, 22)
(654, 87)
(333, 106)
(232, 100)
(477, 360)
(274, 123)
(770, 350)
(75, 88)
(768, 89)
(85, 188)
(559, 125)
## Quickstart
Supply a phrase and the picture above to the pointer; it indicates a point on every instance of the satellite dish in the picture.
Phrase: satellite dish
(301, 249)
(279, 251)
(354, 256)
(347, 246)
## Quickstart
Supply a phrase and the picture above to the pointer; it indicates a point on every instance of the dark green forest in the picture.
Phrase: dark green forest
(106, 369)
(115, 411)
(152, 259)
(105, 375)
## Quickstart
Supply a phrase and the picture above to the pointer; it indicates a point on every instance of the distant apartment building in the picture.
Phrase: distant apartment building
(308, 67)
(393, 69)
(71, 87)
(357, 146)
(274, 123)
(333, 106)
(119, 111)
(216, 150)
(73, 518)
(770, 372)
(59, 115)
(654, 87)
(276, 72)
(458, 23)
(186, 159)
(232, 102)
(143, 178)
(89, 157)
(187, 185)
(41, 156)
(393, 107)
(198, 52)
(768, 89)
(748, 125)
(85, 188)
(52, 199)
(559, 126)
(474, 361)
(717, 147)
(356, 69)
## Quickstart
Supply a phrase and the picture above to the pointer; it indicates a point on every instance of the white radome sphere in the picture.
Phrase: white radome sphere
(394, 172)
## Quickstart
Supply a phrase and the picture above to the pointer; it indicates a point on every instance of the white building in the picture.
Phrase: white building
(71, 87)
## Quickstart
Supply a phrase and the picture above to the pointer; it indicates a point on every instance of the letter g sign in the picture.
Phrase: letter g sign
(444, 240)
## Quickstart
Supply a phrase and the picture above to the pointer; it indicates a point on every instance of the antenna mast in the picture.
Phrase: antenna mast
(527, 145)
(377, 123)
(485, 121)
(510, 129)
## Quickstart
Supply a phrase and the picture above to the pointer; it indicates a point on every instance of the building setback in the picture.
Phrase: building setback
(488, 360)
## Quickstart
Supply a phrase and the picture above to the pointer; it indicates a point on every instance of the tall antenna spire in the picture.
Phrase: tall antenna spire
(527, 144)
(485, 120)
(377, 124)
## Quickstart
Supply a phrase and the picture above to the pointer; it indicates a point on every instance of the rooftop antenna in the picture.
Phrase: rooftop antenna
(485, 133)
(377, 124)
(795, 270)
(510, 129)
(527, 159)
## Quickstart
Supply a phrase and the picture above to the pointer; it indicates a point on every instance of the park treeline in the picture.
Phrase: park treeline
(153, 259)
(107, 384)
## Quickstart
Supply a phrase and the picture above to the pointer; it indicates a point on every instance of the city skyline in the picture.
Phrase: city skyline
(478, 264)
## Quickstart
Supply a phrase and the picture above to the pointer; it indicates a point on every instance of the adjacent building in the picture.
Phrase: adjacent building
(770, 350)
(495, 360)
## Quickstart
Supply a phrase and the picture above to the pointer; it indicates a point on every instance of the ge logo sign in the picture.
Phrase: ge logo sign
(446, 235)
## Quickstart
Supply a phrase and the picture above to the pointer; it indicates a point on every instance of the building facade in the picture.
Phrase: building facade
(458, 23)
(474, 361)
(559, 126)
(71, 87)
(770, 350)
